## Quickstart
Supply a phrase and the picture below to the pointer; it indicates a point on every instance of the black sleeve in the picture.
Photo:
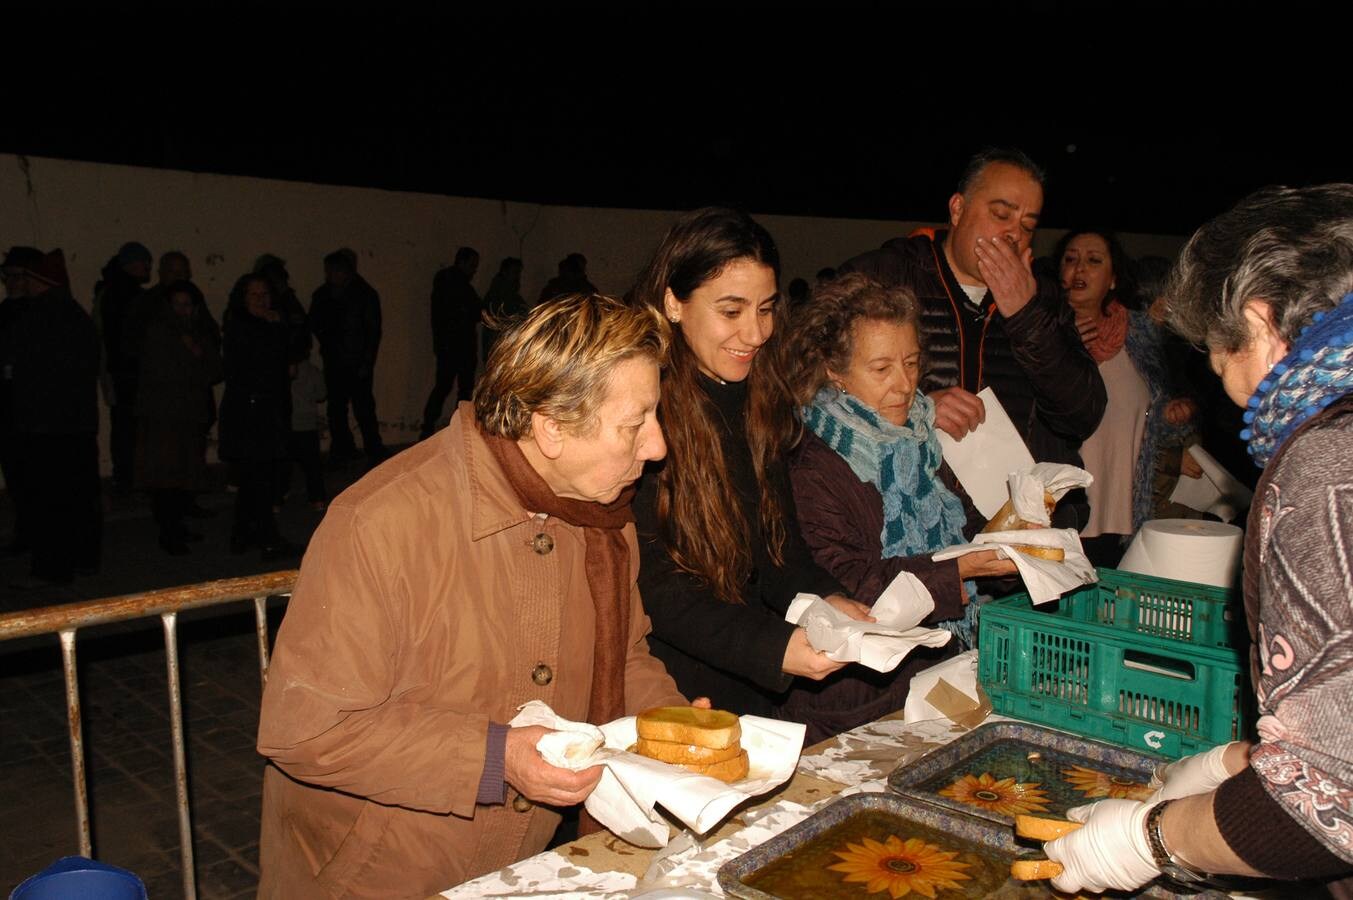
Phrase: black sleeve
(1068, 390)
(745, 641)
(1282, 848)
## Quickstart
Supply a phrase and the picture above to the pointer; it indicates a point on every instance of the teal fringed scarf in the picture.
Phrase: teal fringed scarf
(920, 514)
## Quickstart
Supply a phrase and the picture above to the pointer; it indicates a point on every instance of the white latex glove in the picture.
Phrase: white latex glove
(1109, 852)
(1191, 775)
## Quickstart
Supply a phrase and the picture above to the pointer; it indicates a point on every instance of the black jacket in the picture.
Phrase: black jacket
(118, 307)
(50, 361)
(1034, 360)
(347, 325)
(729, 652)
(256, 408)
(456, 309)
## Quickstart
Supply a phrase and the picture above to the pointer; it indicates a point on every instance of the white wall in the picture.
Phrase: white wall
(224, 222)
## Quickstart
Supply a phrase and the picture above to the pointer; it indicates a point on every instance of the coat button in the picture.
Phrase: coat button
(542, 675)
(521, 804)
(542, 543)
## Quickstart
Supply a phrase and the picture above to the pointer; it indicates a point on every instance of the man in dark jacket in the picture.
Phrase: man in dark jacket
(51, 355)
(117, 300)
(345, 316)
(987, 321)
(456, 309)
(572, 279)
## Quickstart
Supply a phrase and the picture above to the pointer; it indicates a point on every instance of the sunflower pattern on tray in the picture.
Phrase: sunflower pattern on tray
(1099, 784)
(900, 867)
(1004, 796)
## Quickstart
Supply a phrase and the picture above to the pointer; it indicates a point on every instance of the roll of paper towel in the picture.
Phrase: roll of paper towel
(1186, 550)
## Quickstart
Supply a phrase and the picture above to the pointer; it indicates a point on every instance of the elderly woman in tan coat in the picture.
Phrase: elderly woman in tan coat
(488, 566)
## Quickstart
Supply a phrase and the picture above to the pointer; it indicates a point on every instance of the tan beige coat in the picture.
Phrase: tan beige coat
(421, 614)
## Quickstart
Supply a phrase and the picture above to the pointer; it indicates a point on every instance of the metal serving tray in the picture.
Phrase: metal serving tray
(960, 856)
(1003, 768)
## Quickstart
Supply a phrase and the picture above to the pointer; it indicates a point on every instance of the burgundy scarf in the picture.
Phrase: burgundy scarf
(1113, 326)
(606, 563)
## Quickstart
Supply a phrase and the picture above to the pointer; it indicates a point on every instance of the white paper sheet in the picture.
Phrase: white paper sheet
(984, 459)
(1044, 579)
(631, 785)
(1217, 491)
(880, 645)
(1027, 489)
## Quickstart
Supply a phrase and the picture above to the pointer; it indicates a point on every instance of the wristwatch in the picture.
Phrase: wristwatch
(1170, 865)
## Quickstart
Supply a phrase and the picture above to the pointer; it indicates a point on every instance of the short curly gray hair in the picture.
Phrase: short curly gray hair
(1292, 247)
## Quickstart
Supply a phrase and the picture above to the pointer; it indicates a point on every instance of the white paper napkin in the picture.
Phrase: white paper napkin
(880, 645)
(632, 785)
(984, 459)
(1027, 488)
(960, 673)
(1216, 491)
(1044, 579)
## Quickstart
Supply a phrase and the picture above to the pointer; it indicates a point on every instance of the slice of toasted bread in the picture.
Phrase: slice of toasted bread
(729, 770)
(1034, 869)
(682, 754)
(1055, 554)
(1006, 519)
(1042, 829)
(716, 729)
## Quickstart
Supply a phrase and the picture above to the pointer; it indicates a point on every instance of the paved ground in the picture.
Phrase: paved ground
(125, 697)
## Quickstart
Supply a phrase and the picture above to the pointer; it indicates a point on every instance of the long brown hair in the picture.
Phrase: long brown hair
(699, 522)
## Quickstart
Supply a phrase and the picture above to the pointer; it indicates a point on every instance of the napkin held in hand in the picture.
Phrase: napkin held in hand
(880, 645)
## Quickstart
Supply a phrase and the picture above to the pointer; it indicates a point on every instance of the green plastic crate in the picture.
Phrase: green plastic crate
(1144, 663)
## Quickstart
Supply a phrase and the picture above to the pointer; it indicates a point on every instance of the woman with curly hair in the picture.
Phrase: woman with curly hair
(873, 494)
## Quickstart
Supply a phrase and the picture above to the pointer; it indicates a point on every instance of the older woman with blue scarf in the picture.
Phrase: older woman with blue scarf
(1268, 288)
(873, 495)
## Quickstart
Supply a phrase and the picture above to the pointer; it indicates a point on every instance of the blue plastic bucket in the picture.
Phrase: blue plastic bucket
(78, 878)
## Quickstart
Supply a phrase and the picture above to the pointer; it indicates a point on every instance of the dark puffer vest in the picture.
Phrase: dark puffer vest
(1034, 360)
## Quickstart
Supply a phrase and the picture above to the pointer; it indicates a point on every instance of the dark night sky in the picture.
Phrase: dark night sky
(840, 110)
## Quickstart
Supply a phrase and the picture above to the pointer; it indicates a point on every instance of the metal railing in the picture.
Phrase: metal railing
(65, 619)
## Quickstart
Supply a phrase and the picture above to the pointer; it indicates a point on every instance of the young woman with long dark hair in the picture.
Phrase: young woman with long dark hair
(721, 552)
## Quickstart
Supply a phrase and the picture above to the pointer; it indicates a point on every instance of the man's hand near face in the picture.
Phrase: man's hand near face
(1007, 273)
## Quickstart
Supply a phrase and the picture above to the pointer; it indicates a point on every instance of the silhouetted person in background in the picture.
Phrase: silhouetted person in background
(455, 313)
(255, 412)
(345, 316)
(51, 352)
(180, 361)
(18, 287)
(307, 392)
(173, 268)
(287, 305)
(825, 274)
(797, 293)
(117, 300)
(503, 301)
(572, 279)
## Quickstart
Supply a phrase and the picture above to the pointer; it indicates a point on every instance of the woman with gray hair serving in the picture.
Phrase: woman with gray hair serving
(1268, 287)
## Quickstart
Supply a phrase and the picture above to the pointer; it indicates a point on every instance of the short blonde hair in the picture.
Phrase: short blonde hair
(558, 362)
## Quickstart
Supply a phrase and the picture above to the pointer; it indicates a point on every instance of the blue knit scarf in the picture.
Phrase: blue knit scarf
(920, 514)
(1317, 371)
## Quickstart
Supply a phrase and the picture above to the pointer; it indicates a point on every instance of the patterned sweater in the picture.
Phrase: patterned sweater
(1290, 814)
